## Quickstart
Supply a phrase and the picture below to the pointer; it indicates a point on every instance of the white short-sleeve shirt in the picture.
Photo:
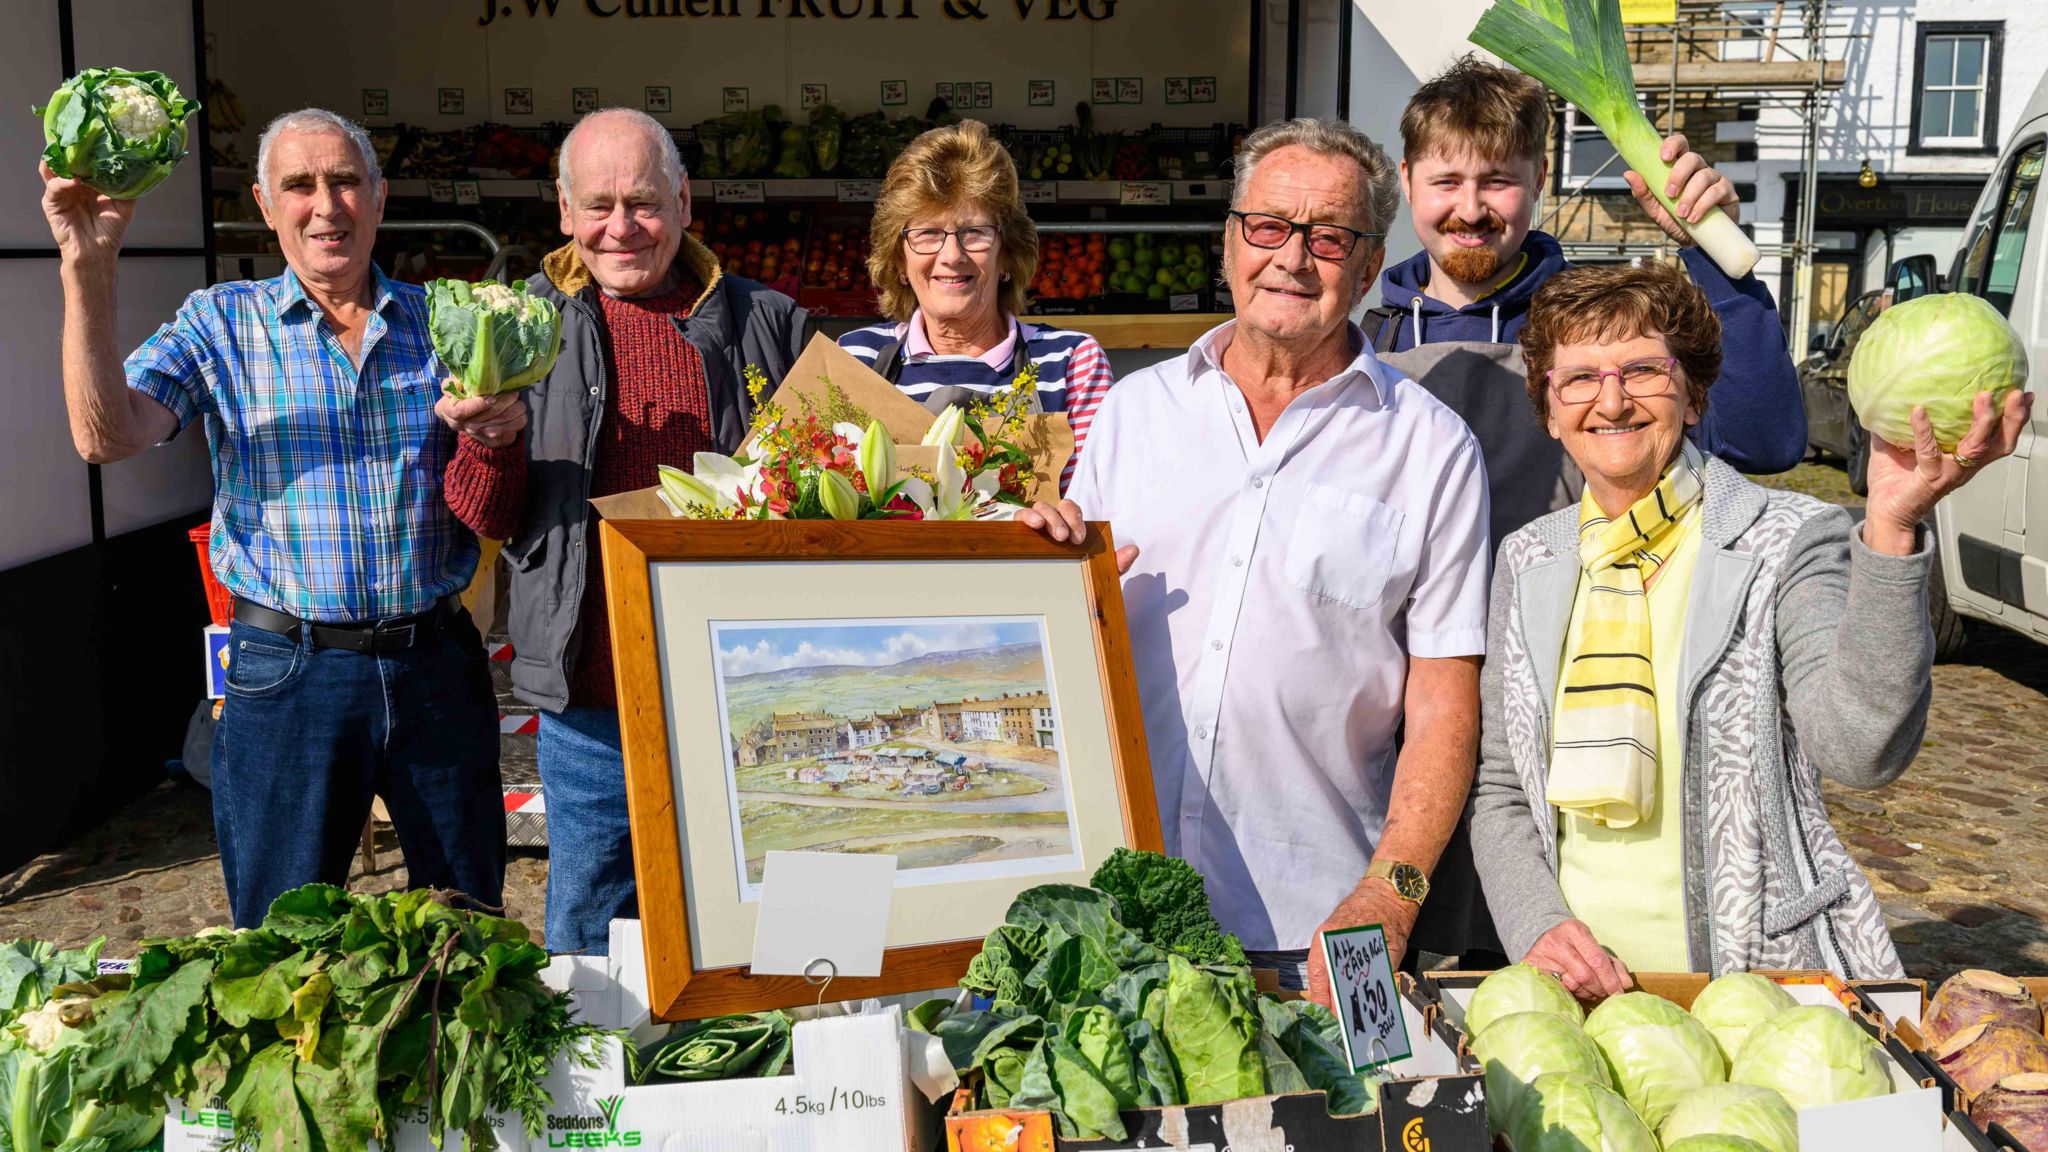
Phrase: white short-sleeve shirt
(1279, 590)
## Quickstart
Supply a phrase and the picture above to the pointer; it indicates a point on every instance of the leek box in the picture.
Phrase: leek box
(216, 661)
(1436, 1100)
(1910, 1119)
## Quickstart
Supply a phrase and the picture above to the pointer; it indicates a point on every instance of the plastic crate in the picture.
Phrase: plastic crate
(1193, 153)
(219, 603)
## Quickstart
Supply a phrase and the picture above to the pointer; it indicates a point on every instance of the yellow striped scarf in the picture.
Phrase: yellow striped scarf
(1603, 764)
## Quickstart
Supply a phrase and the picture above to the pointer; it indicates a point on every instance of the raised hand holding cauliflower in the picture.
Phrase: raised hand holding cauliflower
(121, 132)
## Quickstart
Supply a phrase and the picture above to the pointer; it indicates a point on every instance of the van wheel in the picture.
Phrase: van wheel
(1858, 457)
(1950, 636)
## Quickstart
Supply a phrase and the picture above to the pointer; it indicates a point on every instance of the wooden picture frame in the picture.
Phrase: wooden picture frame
(678, 987)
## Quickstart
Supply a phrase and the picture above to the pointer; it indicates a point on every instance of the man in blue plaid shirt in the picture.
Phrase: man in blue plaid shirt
(354, 671)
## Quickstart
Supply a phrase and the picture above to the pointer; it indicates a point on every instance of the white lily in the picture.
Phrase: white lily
(877, 459)
(683, 490)
(836, 493)
(729, 478)
(851, 433)
(947, 429)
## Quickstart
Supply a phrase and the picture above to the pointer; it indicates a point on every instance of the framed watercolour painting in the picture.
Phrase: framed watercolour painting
(958, 696)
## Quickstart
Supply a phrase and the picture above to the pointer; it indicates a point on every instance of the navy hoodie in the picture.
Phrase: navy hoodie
(1755, 419)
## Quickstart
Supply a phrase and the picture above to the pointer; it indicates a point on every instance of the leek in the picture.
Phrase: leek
(1576, 47)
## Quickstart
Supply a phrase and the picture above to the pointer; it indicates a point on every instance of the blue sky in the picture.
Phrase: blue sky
(748, 648)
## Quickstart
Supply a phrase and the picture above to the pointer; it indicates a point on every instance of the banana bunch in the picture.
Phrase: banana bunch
(224, 108)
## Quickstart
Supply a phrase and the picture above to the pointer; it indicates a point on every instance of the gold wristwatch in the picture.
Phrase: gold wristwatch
(1408, 881)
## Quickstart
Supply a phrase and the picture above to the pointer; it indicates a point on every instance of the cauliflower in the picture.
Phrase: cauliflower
(491, 337)
(42, 1028)
(134, 110)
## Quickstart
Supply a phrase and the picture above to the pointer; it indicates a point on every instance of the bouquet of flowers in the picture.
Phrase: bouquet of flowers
(813, 465)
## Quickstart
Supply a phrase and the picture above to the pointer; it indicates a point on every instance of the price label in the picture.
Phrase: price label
(518, 101)
(1368, 1004)
(944, 91)
(735, 100)
(1040, 192)
(1201, 89)
(376, 102)
(1038, 93)
(451, 101)
(739, 192)
(1130, 90)
(468, 192)
(1103, 90)
(859, 191)
(656, 98)
(1177, 90)
(441, 191)
(984, 94)
(1184, 302)
(1145, 193)
(810, 96)
(583, 100)
(895, 92)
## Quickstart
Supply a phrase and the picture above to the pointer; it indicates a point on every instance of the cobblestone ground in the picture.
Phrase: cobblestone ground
(1957, 849)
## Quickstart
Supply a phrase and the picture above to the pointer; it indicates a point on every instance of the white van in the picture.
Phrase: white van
(1993, 533)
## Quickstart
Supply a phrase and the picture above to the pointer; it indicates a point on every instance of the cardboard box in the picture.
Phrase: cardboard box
(1894, 1005)
(838, 385)
(1910, 1119)
(1436, 1101)
(216, 661)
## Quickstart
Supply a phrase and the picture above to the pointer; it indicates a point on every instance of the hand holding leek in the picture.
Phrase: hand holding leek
(1576, 47)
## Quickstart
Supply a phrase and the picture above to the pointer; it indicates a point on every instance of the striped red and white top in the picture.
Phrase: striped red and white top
(1073, 370)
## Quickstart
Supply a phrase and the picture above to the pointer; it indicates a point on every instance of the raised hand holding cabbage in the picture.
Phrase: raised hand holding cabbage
(119, 131)
(1936, 352)
(492, 338)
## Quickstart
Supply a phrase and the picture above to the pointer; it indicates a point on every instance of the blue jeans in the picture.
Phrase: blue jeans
(590, 840)
(309, 735)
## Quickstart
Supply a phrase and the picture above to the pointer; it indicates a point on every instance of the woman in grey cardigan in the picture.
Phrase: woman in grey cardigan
(1674, 664)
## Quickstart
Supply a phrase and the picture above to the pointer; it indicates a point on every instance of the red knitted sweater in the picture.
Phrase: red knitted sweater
(658, 411)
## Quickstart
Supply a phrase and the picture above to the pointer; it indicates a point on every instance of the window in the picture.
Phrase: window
(1997, 246)
(1586, 158)
(1955, 95)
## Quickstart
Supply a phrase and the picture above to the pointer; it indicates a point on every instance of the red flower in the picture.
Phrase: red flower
(904, 508)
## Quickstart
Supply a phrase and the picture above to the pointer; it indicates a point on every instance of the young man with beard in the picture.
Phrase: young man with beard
(1474, 164)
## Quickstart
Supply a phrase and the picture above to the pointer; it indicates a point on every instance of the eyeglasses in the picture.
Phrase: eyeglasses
(932, 241)
(1325, 241)
(1642, 379)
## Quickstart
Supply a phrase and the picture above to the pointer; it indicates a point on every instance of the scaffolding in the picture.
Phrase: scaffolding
(1786, 54)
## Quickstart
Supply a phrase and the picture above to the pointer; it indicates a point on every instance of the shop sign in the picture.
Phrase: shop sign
(1368, 1003)
(656, 98)
(518, 101)
(735, 100)
(1039, 94)
(895, 92)
(583, 100)
(947, 10)
(739, 192)
(451, 101)
(1145, 193)
(1103, 90)
(810, 96)
(1896, 203)
(1130, 90)
(376, 102)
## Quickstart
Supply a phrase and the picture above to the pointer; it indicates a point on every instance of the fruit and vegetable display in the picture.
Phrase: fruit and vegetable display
(318, 1029)
(1154, 266)
(119, 131)
(492, 337)
(1639, 1072)
(1984, 1031)
(837, 258)
(1936, 352)
(1129, 995)
(759, 243)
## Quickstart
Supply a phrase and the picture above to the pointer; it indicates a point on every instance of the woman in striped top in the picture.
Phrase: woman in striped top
(952, 252)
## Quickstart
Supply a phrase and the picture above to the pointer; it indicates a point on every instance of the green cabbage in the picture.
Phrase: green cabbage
(1516, 1049)
(1733, 1004)
(1812, 1055)
(121, 132)
(1715, 1143)
(1519, 988)
(1734, 1110)
(492, 338)
(1565, 1113)
(1938, 352)
(1658, 1054)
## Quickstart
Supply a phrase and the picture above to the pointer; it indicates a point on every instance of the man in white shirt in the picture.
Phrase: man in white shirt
(1307, 595)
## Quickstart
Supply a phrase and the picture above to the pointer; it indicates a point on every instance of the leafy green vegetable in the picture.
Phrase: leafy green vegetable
(1163, 900)
(30, 970)
(1715, 1143)
(492, 338)
(1566, 1113)
(1812, 1055)
(42, 1106)
(337, 1015)
(1518, 988)
(1732, 1004)
(720, 1048)
(1214, 1033)
(1577, 48)
(1937, 352)
(121, 132)
(1734, 1110)
(1659, 1055)
(1515, 1050)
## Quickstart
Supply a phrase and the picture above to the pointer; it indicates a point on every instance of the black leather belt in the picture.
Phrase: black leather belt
(397, 634)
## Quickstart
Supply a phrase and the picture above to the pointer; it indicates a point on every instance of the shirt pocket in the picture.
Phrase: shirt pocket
(1342, 547)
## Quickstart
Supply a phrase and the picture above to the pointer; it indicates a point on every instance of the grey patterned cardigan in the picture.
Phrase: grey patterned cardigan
(1805, 653)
